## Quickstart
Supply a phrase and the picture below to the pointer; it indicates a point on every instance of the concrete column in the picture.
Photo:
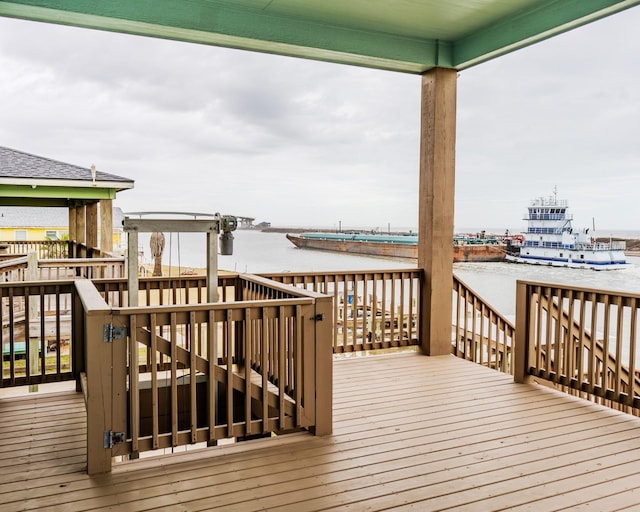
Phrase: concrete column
(436, 204)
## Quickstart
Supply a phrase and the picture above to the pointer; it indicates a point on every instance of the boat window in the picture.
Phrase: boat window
(582, 256)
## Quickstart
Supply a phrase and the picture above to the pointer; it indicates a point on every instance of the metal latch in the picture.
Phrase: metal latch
(110, 333)
(318, 318)
(112, 438)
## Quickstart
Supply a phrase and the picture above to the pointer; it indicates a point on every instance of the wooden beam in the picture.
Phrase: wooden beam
(72, 222)
(81, 224)
(106, 225)
(92, 225)
(436, 203)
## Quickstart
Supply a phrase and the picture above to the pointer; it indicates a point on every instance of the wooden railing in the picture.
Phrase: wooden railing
(36, 338)
(191, 373)
(17, 269)
(13, 269)
(80, 250)
(81, 268)
(47, 307)
(52, 249)
(260, 360)
(44, 248)
(480, 333)
(580, 340)
(372, 309)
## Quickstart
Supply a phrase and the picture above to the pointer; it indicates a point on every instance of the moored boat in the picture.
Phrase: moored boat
(477, 248)
(551, 240)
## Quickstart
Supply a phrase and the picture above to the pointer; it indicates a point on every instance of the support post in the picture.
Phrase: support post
(106, 225)
(521, 342)
(436, 205)
(35, 342)
(78, 360)
(212, 266)
(73, 236)
(324, 367)
(92, 227)
(81, 228)
(132, 267)
(99, 397)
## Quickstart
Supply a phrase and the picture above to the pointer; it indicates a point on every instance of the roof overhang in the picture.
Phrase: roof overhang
(403, 35)
(98, 187)
(47, 195)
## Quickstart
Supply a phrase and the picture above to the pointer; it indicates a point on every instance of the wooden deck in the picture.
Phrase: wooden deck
(410, 433)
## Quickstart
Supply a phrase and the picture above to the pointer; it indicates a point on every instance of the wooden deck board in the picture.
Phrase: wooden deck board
(410, 433)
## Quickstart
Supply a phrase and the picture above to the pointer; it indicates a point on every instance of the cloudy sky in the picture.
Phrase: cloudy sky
(303, 143)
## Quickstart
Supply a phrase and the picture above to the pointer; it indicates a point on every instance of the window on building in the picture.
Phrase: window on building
(20, 235)
(51, 235)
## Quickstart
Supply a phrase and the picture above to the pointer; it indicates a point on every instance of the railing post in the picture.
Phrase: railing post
(34, 312)
(99, 364)
(521, 337)
(324, 366)
(78, 361)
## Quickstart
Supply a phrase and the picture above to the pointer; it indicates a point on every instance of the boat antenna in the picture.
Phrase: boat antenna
(555, 193)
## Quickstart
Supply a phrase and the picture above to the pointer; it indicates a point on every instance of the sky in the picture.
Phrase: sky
(304, 143)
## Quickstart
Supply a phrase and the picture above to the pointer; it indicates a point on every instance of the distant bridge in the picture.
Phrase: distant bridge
(245, 222)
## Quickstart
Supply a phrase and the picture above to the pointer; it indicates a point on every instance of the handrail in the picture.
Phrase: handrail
(44, 248)
(372, 309)
(14, 262)
(37, 338)
(580, 340)
(82, 268)
(16, 269)
(480, 333)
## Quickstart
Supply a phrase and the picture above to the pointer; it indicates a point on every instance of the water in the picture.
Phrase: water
(256, 252)
(496, 282)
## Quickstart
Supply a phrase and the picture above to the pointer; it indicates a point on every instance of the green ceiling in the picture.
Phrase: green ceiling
(403, 35)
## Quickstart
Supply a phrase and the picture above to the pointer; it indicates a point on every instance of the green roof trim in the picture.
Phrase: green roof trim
(235, 28)
(62, 193)
(544, 20)
(403, 35)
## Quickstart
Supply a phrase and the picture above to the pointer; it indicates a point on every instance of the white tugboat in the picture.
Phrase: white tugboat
(550, 240)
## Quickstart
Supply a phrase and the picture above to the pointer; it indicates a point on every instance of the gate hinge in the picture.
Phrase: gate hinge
(110, 333)
(318, 318)
(112, 438)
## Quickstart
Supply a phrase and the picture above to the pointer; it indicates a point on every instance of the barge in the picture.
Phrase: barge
(475, 248)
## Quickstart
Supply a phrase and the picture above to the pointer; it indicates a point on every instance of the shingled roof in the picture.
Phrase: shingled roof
(18, 164)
